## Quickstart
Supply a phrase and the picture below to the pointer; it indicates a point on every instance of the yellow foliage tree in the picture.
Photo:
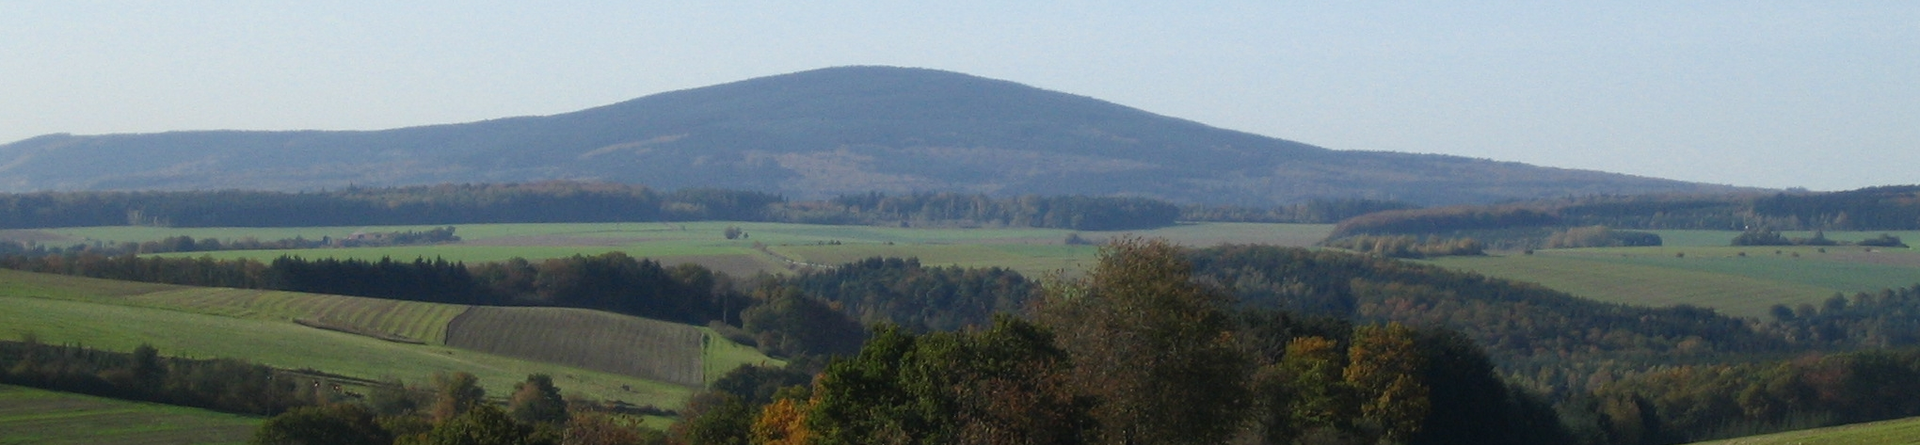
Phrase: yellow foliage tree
(783, 422)
(1384, 370)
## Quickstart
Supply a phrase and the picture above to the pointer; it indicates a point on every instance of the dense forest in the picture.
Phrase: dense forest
(1712, 401)
(902, 292)
(548, 202)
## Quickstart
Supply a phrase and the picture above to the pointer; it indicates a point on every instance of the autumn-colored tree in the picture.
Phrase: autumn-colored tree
(1383, 367)
(456, 394)
(1151, 345)
(537, 401)
(783, 422)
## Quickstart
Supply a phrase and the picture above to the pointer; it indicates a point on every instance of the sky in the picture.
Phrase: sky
(1821, 95)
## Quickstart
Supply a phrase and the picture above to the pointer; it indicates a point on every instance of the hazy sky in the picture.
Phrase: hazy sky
(1824, 95)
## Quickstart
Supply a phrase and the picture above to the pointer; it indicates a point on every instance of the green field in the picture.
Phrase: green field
(34, 416)
(1890, 432)
(261, 326)
(1024, 249)
(1741, 281)
(391, 319)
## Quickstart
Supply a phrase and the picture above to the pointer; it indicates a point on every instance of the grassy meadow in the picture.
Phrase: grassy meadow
(1741, 281)
(1890, 432)
(34, 416)
(265, 327)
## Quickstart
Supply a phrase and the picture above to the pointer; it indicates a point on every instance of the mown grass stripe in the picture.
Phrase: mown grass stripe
(587, 339)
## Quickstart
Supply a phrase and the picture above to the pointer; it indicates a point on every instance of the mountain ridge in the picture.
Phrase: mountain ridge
(813, 134)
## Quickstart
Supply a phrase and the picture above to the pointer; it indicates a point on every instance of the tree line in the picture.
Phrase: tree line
(1691, 403)
(613, 281)
(452, 409)
(1315, 211)
(1872, 208)
(1769, 237)
(1408, 246)
(1060, 212)
(143, 374)
(560, 201)
(183, 243)
(1875, 208)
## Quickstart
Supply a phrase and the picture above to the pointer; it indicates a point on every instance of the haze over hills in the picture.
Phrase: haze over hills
(813, 134)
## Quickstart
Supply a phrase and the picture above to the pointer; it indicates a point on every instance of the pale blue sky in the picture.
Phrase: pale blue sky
(1824, 95)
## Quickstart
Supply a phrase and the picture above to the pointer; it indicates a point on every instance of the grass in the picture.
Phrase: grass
(1642, 285)
(35, 416)
(1718, 277)
(425, 322)
(289, 345)
(257, 326)
(1890, 432)
(720, 355)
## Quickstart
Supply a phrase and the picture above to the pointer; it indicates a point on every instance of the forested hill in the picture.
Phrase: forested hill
(812, 135)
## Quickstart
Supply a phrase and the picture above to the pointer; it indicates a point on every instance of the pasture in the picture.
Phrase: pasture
(1740, 281)
(1027, 250)
(264, 327)
(1889, 432)
(34, 416)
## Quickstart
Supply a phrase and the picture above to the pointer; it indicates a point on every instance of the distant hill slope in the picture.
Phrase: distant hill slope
(809, 135)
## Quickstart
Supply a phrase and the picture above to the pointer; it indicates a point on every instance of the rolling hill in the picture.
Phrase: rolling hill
(632, 359)
(807, 135)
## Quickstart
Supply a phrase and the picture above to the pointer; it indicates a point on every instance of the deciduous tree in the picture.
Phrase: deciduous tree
(1151, 345)
(537, 401)
(456, 394)
(1383, 367)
